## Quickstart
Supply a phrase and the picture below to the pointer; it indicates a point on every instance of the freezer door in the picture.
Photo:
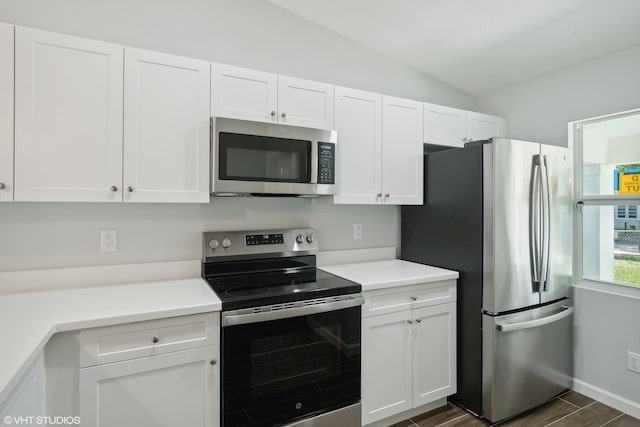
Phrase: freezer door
(557, 238)
(509, 193)
(527, 359)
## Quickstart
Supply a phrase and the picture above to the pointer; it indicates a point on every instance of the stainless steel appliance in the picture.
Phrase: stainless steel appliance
(499, 212)
(264, 159)
(290, 332)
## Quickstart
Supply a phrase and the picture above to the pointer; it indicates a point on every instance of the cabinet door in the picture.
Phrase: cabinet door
(68, 118)
(170, 390)
(484, 126)
(241, 93)
(6, 112)
(434, 353)
(359, 125)
(166, 128)
(305, 103)
(402, 164)
(386, 365)
(27, 398)
(444, 125)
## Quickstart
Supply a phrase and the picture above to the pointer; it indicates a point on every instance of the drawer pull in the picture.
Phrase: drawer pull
(213, 361)
(414, 298)
(155, 340)
(410, 321)
(418, 320)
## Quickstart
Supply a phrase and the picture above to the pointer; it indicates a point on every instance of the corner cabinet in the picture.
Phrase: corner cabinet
(166, 128)
(245, 94)
(408, 348)
(454, 127)
(68, 118)
(6, 112)
(380, 151)
(147, 374)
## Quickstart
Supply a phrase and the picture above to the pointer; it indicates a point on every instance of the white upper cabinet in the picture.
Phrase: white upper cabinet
(453, 127)
(444, 125)
(6, 112)
(241, 93)
(402, 163)
(483, 126)
(305, 103)
(358, 120)
(244, 94)
(166, 128)
(68, 118)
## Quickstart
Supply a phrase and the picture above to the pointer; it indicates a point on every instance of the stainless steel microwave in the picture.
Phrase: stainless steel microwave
(264, 159)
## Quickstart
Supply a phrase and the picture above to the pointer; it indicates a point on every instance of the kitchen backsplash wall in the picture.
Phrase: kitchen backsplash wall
(51, 235)
(249, 33)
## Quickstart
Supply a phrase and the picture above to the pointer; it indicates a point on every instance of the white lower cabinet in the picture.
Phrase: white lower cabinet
(408, 356)
(27, 398)
(171, 390)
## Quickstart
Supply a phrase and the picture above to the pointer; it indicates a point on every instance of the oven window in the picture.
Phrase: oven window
(261, 158)
(279, 371)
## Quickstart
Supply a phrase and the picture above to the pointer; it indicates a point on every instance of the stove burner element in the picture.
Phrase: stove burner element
(247, 291)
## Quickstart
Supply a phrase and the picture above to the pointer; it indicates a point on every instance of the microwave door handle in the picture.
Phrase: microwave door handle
(312, 162)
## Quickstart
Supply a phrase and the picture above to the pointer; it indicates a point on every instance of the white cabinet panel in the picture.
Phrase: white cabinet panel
(27, 399)
(170, 390)
(386, 365)
(241, 93)
(434, 353)
(402, 164)
(166, 128)
(305, 103)
(444, 125)
(358, 120)
(6, 112)
(68, 118)
(484, 126)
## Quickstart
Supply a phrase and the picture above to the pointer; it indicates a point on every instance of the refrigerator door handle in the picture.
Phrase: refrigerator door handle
(546, 223)
(534, 221)
(508, 327)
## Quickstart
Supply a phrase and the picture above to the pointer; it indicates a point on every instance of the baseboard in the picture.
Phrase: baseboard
(618, 402)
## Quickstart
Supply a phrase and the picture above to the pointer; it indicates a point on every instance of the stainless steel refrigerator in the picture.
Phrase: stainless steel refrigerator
(500, 212)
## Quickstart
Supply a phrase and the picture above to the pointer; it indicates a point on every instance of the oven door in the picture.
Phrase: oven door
(279, 371)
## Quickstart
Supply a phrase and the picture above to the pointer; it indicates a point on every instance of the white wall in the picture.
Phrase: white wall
(539, 109)
(250, 33)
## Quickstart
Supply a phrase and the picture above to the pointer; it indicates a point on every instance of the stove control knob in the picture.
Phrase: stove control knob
(213, 244)
(300, 238)
(309, 238)
(226, 243)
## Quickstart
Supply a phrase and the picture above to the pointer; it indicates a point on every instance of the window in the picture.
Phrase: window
(608, 193)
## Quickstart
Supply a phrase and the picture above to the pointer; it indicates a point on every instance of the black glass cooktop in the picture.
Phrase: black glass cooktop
(265, 287)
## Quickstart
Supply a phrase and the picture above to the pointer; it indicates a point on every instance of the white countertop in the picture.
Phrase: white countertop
(390, 273)
(29, 319)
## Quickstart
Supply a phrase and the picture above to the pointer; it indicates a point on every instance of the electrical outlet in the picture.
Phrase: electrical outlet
(108, 240)
(633, 362)
(357, 231)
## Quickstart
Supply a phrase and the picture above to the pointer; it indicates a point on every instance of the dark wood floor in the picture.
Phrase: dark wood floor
(569, 409)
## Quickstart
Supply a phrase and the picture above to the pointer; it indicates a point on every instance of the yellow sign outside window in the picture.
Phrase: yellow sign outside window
(629, 184)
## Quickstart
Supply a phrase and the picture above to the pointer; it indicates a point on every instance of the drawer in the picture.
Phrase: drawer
(142, 339)
(389, 300)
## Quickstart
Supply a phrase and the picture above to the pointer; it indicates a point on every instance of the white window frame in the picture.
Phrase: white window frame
(575, 142)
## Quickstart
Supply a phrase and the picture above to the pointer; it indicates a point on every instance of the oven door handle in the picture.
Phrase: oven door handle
(231, 319)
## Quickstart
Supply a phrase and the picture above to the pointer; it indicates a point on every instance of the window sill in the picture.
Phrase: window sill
(627, 291)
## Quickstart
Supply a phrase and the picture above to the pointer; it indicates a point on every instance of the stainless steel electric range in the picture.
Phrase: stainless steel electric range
(290, 332)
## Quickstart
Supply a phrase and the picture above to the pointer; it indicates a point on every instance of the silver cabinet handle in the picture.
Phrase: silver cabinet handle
(414, 298)
(155, 340)
(213, 361)
(273, 113)
(2, 186)
(464, 139)
(130, 189)
(283, 115)
(114, 188)
(418, 320)
(386, 196)
(410, 322)
(378, 195)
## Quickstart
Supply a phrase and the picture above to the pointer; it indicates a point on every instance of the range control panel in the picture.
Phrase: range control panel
(218, 244)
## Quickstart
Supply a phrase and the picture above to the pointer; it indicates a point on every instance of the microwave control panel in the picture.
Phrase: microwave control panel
(326, 162)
